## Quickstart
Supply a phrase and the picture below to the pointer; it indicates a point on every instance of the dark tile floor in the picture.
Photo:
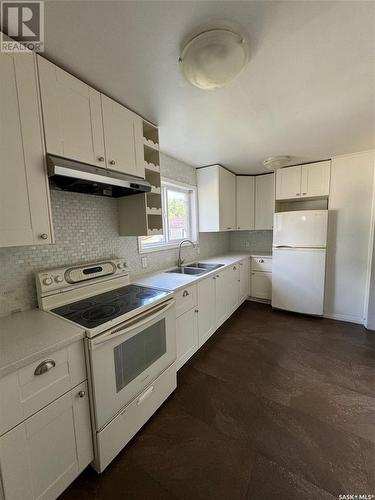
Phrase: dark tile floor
(274, 405)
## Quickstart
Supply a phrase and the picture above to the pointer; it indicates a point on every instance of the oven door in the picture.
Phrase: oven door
(129, 357)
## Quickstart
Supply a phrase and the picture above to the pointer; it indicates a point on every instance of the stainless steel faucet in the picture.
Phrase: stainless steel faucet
(180, 261)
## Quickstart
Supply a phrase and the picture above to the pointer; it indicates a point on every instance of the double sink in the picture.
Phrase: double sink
(196, 268)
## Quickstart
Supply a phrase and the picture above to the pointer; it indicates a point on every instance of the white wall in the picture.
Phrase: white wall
(371, 301)
(350, 205)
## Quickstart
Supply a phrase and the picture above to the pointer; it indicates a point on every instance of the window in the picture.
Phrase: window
(179, 207)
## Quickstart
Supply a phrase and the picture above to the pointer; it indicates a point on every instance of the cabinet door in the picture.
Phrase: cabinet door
(221, 297)
(233, 290)
(72, 116)
(139, 153)
(119, 137)
(186, 336)
(315, 179)
(227, 200)
(244, 279)
(43, 455)
(25, 214)
(288, 183)
(261, 285)
(264, 201)
(245, 209)
(206, 309)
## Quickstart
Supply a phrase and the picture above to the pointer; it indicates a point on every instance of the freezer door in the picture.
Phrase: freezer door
(306, 228)
(298, 280)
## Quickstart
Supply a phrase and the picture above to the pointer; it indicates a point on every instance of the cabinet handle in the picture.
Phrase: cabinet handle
(261, 261)
(185, 294)
(239, 281)
(44, 236)
(44, 367)
(112, 162)
(217, 276)
(229, 228)
(234, 268)
(82, 394)
(196, 310)
(298, 194)
(304, 194)
(100, 158)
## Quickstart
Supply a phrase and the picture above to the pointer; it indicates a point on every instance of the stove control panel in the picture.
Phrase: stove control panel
(62, 278)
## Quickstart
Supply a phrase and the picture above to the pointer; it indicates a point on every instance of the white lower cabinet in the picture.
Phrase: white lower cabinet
(244, 280)
(206, 309)
(261, 285)
(40, 457)
(186, 324)
(233, 290)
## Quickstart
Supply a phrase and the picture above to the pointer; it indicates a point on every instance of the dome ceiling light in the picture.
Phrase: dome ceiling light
(275, 162)
(213, 58)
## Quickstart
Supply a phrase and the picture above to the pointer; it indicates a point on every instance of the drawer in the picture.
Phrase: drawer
(186, 299)
(261, 264)
(112, 439)
(27, 390)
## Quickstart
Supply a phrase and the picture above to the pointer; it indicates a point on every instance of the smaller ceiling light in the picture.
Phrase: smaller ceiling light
(213, 58)
(275, 162)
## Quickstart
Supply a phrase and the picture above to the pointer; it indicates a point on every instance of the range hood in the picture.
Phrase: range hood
(70, 175)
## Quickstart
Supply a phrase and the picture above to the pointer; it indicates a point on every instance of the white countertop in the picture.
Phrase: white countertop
(173, 282)
(27, 336)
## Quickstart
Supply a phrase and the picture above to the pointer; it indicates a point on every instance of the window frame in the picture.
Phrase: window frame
(193, 217)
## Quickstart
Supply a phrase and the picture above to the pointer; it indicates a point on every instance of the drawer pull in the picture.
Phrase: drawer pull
(145, 395)
(261, 261)
(44, 367)
(82, 394)
(185, 294)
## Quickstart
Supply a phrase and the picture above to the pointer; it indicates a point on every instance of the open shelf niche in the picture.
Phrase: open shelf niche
(141, 214)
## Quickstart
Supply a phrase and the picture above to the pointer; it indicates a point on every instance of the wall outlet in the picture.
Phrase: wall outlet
(144, 262)
(247, 244)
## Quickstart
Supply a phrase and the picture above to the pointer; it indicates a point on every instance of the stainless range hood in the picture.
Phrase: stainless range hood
(70, 175)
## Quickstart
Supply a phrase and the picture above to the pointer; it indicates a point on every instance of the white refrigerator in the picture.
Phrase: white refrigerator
(299, 260)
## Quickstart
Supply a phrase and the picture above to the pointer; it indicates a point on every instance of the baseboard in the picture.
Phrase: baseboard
(262, 301)
(344, 317)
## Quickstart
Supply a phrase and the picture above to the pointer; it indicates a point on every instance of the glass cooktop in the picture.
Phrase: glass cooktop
(94, 311)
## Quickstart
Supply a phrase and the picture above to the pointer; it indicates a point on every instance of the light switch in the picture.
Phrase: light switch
(144, 262)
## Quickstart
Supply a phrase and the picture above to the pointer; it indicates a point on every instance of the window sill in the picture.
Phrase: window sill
(162, 248)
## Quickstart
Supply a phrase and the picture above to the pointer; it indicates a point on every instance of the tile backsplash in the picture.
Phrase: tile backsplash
(251, 241)
(86, 229)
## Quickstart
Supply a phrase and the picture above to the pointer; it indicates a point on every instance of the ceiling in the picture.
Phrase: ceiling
(307, 91)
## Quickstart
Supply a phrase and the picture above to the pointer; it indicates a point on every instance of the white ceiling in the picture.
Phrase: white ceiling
(308, 90)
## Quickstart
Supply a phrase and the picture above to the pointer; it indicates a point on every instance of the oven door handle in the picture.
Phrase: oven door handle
(131, 324)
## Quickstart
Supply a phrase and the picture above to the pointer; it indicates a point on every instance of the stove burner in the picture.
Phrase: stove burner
(78, 306)
(101, 312)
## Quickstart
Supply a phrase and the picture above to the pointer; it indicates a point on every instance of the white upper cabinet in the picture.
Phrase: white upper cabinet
(72, 116)
(303, 181)
(217, 199)
(315, 179)
(119, 134)
(245, 203)
(264, 201)
(288, 183)
(25, 214)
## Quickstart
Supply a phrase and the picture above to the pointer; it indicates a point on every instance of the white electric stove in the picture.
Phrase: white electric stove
(130, 345)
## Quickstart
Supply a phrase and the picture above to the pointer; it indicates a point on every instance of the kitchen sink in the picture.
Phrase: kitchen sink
(203, 265)
(188, 270)
(196, 268)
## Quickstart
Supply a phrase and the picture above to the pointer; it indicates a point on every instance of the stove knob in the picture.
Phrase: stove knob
(47, 281)
(59, 279)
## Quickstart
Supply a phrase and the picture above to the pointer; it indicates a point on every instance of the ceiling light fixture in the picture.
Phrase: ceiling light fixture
(275, 162)
(214, 58)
